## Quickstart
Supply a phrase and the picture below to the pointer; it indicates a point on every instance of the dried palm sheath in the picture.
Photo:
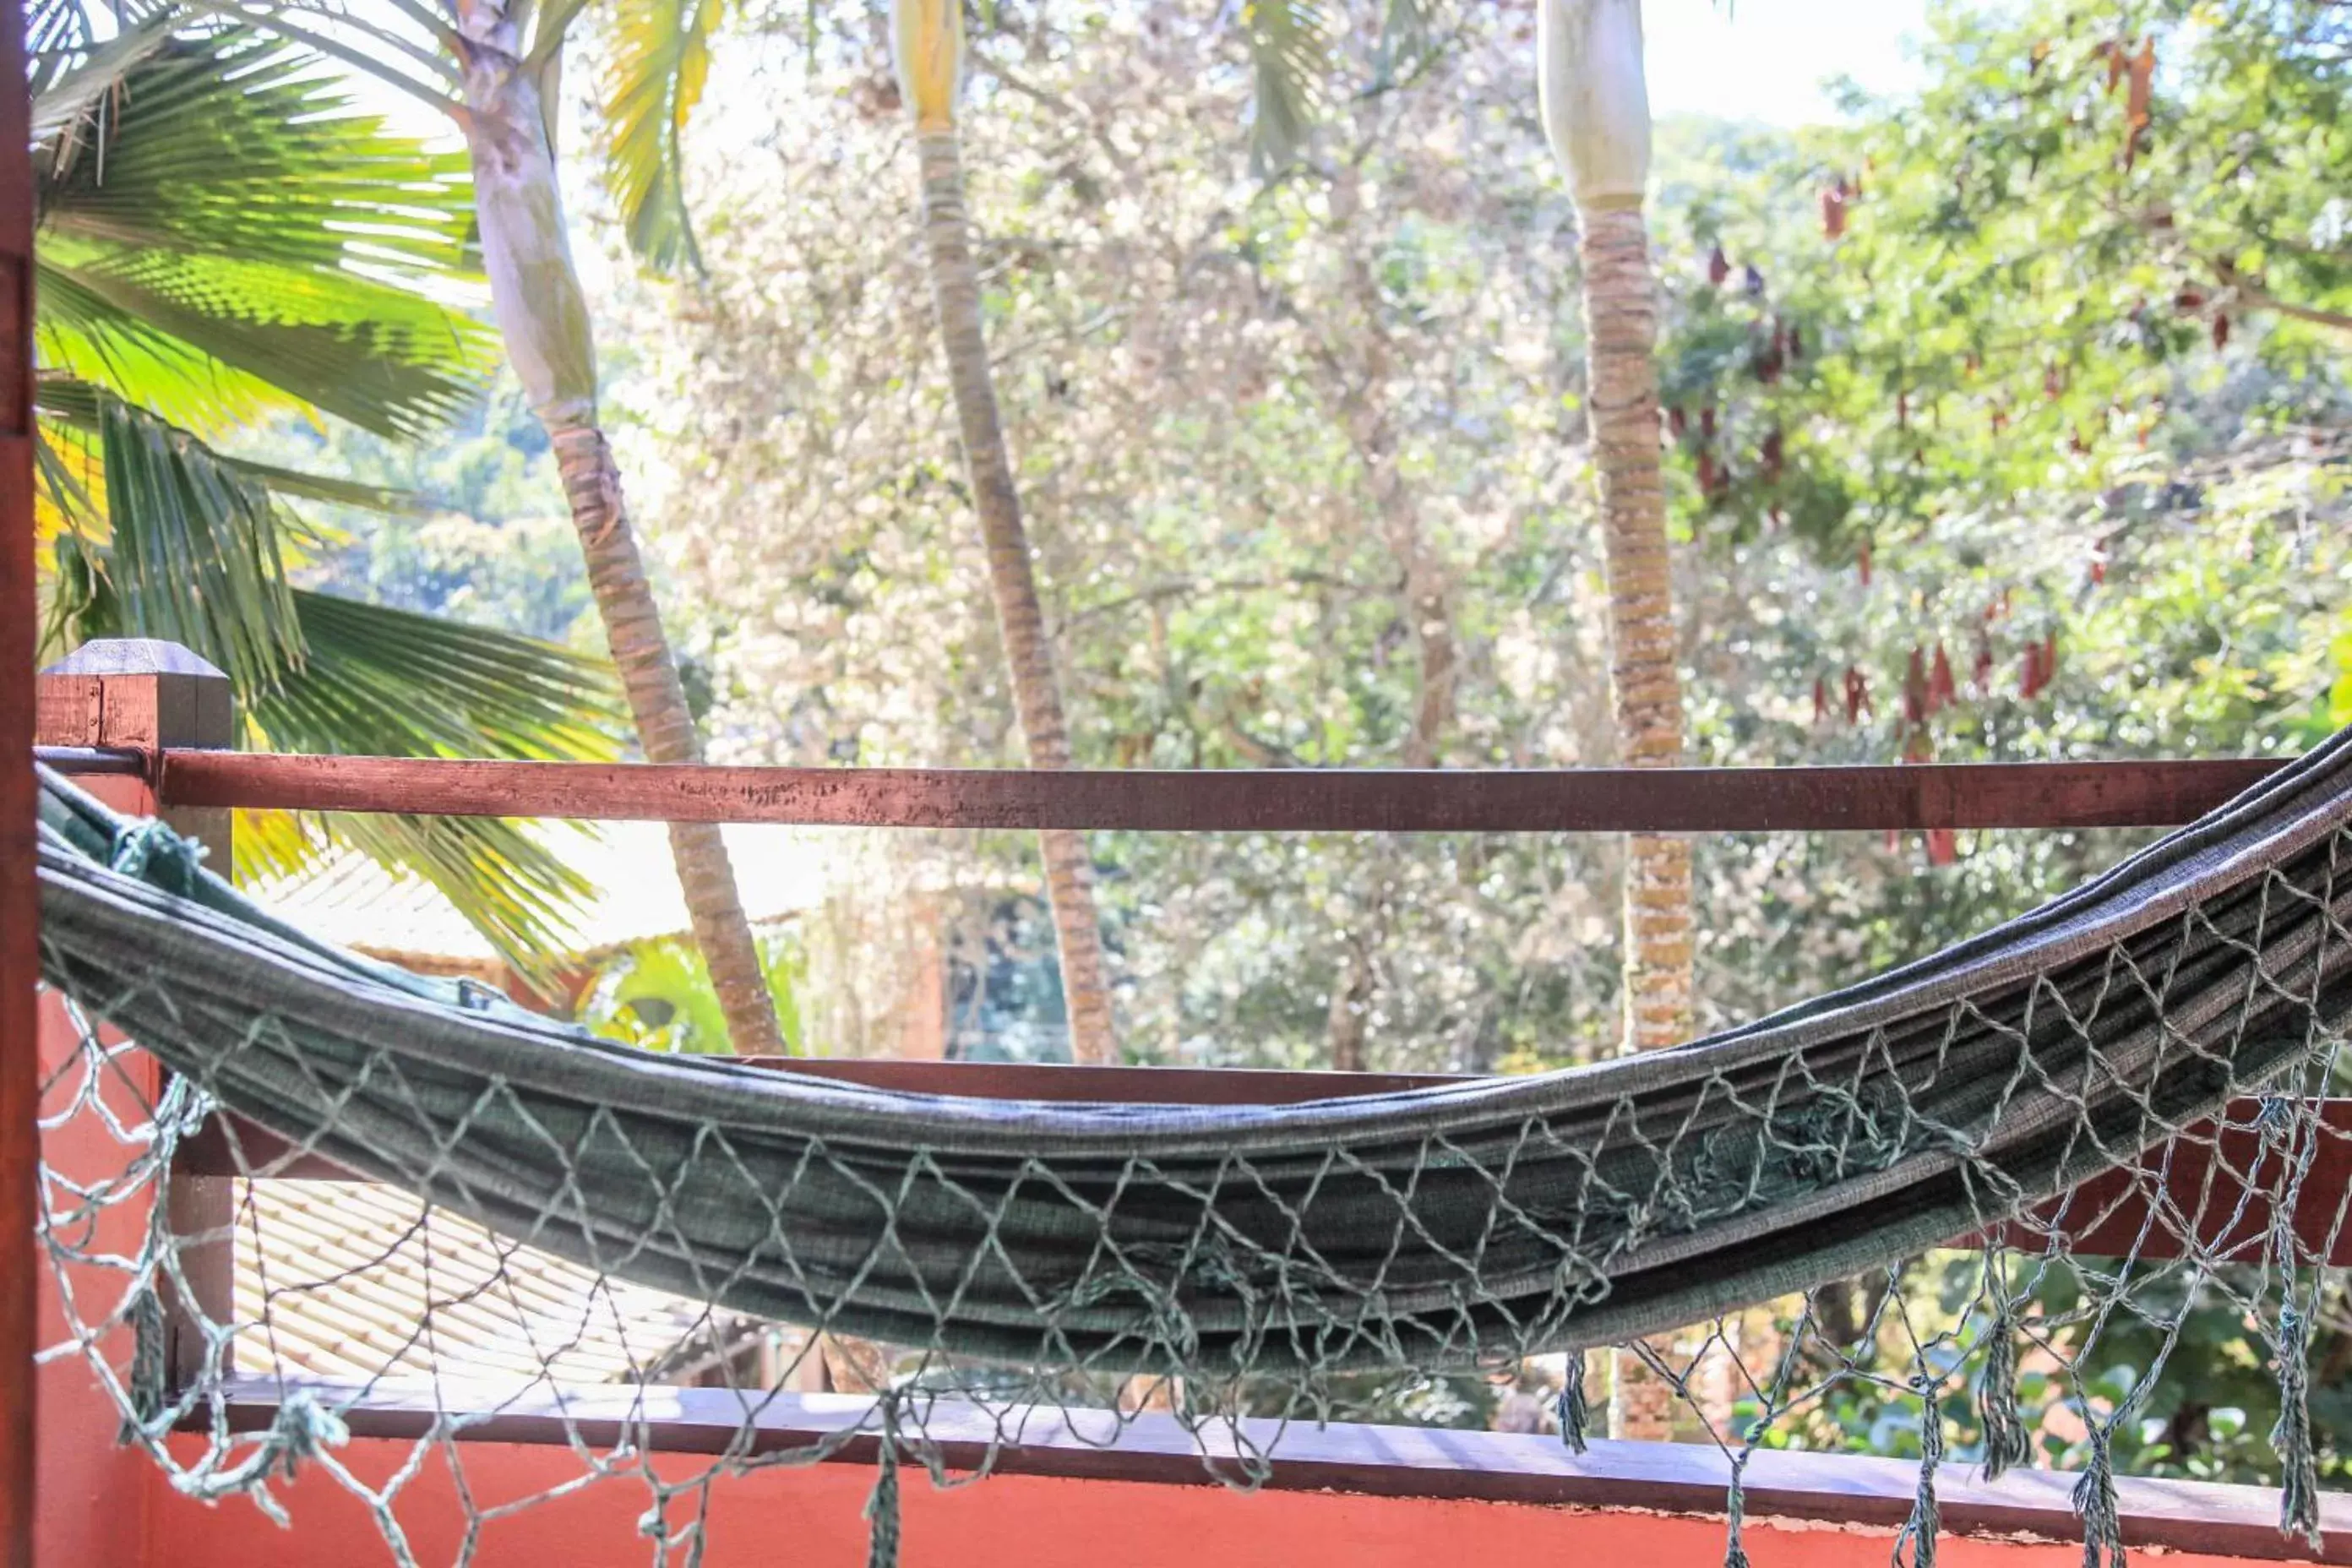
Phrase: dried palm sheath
(1433, 1229)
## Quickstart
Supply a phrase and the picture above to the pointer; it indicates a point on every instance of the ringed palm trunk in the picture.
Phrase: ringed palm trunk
(929, 46)
(1597, 114)
(543, 316)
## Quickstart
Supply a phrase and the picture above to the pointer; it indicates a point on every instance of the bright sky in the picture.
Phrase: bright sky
(1739, 59)
(1765, 59)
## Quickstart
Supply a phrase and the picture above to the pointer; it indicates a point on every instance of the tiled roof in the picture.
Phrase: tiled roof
(334, 1280)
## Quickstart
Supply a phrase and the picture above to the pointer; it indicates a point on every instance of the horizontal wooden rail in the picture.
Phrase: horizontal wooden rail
(1585, 800)
(1367, 1460)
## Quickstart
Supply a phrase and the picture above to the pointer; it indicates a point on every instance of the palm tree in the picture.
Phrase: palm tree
(929, 48)
(203, 201)
(490, 64)
(1596, 112)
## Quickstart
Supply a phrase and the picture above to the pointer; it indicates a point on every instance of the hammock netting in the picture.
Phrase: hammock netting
(1859, 1202)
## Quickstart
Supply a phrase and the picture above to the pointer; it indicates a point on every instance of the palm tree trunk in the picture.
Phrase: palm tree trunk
(633, 626)
(1020, 617)
(542, 315)
(1621, 327)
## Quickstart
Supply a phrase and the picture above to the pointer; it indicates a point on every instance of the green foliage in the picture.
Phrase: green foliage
(223, 234)
(657, 994)
(659, 59)
(484, 537)
(191, 547)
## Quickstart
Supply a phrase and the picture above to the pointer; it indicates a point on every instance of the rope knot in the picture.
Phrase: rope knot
(155, 855)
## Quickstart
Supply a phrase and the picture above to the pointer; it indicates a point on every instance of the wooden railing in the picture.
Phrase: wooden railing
(1285, 800)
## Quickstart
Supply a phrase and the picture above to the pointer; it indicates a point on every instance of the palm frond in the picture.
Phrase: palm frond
(163, 330)
(76, 95)
(292, 483)
(1290, 61)
(381, 681)
(659, 61)
(169, 542)
(78, 405)
(238, 145)
(60, 35)
(222, 229)
(387, 682)
(515, 890)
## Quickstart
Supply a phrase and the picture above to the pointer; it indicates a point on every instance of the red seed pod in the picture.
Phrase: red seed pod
(2189, 302)
(1821, 698)
(1708, 477)
(2000, 420)
(1941, 691)
(1857, 695)
(1862, 562)
(1914, 687)
(2222, 329)
(1676, 421)
(1796, 345)
(1833, 211)
(2142, 74)
(1771, 453)
(2050, 659)
(1903, 411)
(2098, 563)
(1943, 846)
(1981, 675)
(1707, 422)
(1718, 266)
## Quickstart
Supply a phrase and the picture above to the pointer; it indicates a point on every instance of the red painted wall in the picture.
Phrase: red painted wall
(812, 1517)
(90, 1495)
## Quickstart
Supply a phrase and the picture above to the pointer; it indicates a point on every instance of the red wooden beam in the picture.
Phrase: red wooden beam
(2216, 1184)
(20, 1260)
(1585, 800)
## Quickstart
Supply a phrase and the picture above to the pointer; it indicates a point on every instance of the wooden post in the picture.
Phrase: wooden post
(20, 909)
(143, 695)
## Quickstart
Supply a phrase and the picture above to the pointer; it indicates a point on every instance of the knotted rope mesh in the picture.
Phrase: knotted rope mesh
(1876, 1209)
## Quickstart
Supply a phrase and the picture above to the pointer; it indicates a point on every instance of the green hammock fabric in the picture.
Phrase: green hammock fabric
(1447, 1226)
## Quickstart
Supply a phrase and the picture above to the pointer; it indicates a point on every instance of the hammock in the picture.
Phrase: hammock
(1444, 1227)
(1432, 1226)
